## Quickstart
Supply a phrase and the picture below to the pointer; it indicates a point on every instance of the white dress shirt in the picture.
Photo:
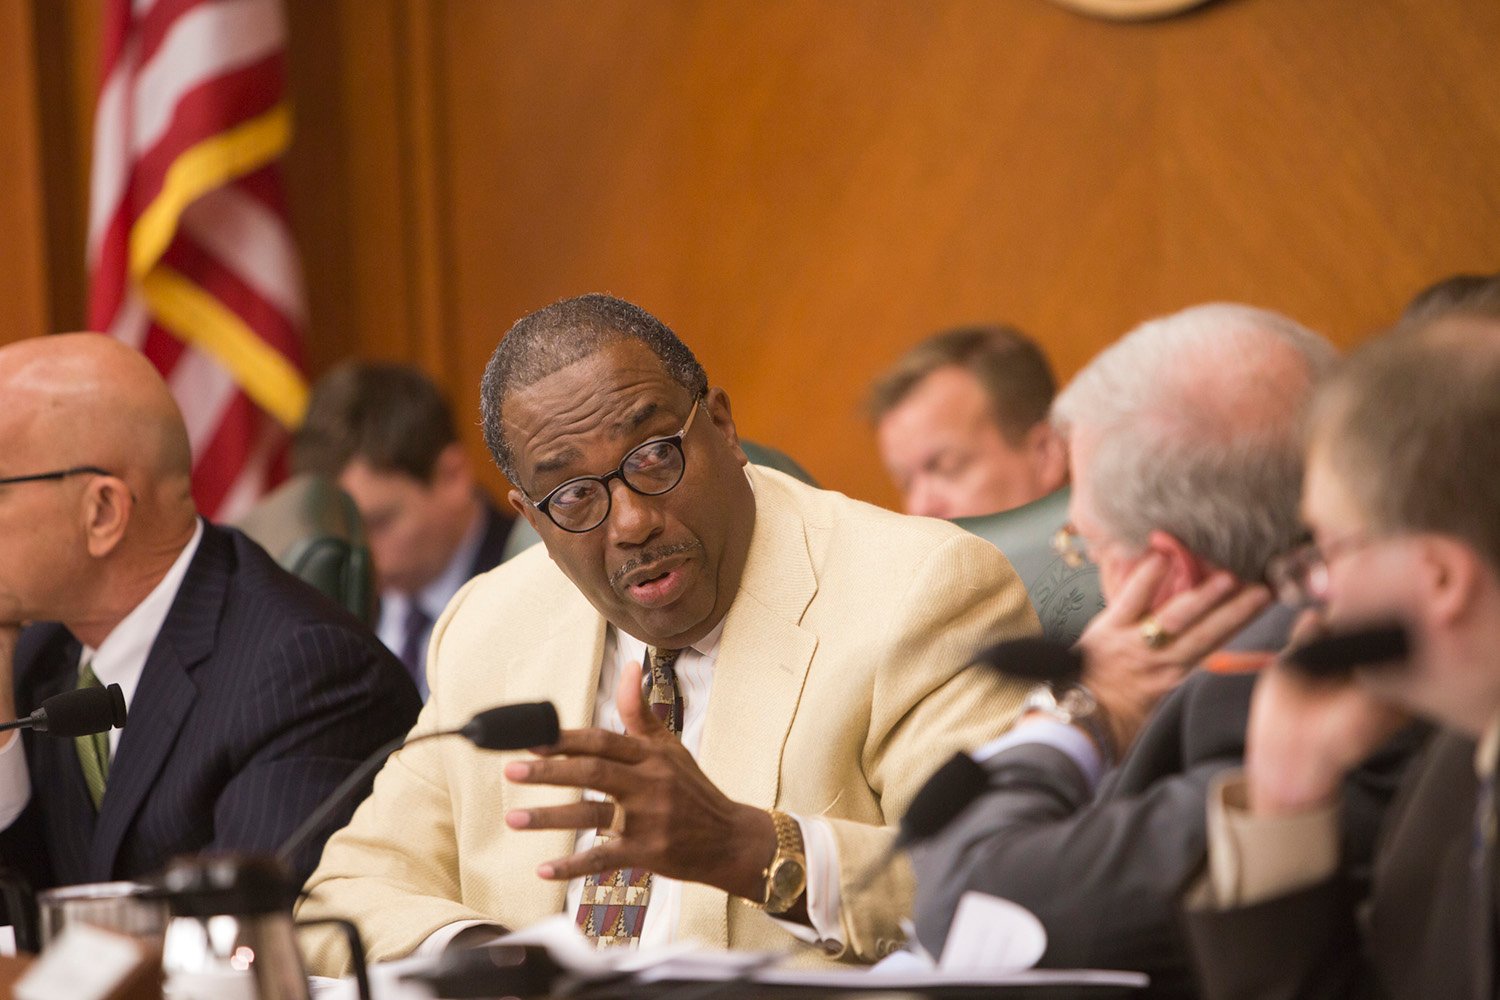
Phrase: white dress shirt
(120, 659)
(694, 669)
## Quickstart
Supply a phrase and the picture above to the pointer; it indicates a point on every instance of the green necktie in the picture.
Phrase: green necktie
(93, 751)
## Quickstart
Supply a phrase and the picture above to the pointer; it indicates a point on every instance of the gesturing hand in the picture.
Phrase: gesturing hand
(1126, 673)
(676, 822)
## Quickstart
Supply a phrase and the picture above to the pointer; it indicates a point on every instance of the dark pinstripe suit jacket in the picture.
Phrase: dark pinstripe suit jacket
(258, 697)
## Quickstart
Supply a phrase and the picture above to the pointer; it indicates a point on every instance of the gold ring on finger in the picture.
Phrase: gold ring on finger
(616, 826)
(1153, 633)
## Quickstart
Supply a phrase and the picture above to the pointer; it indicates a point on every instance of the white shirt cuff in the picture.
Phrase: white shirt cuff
(15, 781)
(1063, 736)
(825, 900)
(438, 941)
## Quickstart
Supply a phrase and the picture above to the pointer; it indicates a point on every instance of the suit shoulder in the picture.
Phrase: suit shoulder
(266, 607)
(254, 574)
(528, 584)
(880, 541)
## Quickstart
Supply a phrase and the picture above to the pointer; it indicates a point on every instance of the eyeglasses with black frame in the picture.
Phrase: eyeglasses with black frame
(38, 477)
(650, 469)
(1299, 576)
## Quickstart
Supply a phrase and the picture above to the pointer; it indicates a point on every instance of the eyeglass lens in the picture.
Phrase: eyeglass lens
(652, 469)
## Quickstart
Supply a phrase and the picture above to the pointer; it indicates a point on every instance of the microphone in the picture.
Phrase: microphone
(505, 727)
(1337, 653)
(508, 727)
(1035, 659)
(937, 803)
(83, 712)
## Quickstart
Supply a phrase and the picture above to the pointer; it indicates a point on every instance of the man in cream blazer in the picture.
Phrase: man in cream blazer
(837, 667)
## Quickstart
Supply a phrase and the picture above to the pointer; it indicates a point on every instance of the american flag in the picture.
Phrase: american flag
(191, 257)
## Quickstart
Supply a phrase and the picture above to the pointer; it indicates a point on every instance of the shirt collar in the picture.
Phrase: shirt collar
(121, 657)
(707, 646)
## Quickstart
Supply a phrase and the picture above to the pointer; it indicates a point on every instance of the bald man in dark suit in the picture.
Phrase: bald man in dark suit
(250, 695)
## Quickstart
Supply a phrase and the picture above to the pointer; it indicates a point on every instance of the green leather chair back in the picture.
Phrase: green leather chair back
(1065, 597)
(312, 528)
(523, 536)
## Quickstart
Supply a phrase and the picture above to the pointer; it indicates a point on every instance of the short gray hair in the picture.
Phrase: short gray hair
(1198, 417)
(555, 336)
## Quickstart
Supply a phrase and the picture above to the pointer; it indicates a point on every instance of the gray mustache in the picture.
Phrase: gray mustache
(649, 557)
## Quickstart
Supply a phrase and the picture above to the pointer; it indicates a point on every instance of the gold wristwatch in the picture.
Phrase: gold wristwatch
(786, 875)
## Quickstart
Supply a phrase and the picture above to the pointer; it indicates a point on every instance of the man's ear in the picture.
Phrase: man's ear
(1452, 575)
(107, 506)
(1185, 570)
(519, 504)
(716, 403)
(1049, 455)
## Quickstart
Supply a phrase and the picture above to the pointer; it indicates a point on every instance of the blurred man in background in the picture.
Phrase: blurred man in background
(962, 424)
(1401, 499)
(386, 435)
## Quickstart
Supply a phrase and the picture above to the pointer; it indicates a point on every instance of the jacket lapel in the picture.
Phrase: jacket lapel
(762, 663)
(569, 649)
(163, 698)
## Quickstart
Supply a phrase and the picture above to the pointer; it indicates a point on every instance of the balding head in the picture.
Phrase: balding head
(87, 400)
(91, 398)
(1191, 425)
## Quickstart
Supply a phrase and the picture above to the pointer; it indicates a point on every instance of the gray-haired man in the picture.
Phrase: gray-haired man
(1185, 441)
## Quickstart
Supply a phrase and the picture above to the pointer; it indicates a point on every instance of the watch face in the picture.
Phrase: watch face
(787, 880)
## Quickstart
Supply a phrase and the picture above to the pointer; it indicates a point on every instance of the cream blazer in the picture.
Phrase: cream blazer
(840, 685)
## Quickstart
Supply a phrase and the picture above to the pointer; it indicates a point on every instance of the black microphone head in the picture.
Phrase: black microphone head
(83, 712)
(938, 802)
(1034, 658)
(116, 706)
(514, 727)
(1337, 653)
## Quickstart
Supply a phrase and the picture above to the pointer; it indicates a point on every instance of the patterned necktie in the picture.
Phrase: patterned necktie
(418, 621)
(93, 751)
(613, 908)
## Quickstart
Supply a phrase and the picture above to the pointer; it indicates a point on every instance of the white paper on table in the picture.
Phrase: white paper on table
(560, 936)
(81, 963)
(8, 941)
(686, 962)
(990, 934)
(387, 982)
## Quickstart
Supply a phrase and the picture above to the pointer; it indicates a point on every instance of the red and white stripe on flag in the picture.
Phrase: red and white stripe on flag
(190, 253)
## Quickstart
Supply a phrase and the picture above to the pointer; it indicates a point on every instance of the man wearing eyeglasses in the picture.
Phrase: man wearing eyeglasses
(1401, 498)
(250, 697)
(804, 674)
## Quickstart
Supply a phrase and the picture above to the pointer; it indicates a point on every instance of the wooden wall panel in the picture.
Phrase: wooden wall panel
(24, 309)
(805, 189)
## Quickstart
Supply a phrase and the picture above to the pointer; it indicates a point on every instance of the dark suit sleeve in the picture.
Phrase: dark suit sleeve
(1303, 946)
(327, 699)
(1398, 925)
(1103, 876)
